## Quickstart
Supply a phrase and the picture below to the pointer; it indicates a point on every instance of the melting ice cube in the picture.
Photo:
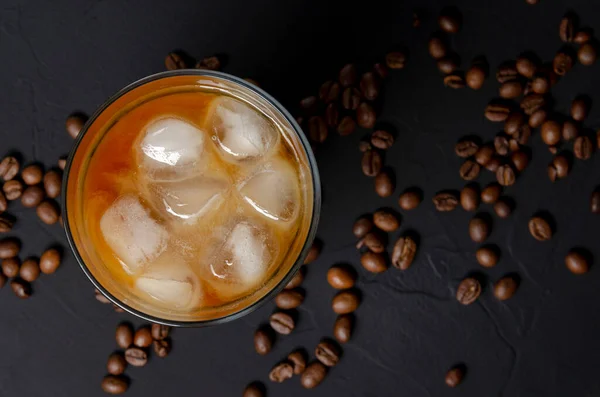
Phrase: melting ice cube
(134, 236)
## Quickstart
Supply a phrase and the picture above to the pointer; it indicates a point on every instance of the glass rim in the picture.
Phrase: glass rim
(312, 230)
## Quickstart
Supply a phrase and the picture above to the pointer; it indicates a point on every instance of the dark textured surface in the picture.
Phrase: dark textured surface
(59, 56)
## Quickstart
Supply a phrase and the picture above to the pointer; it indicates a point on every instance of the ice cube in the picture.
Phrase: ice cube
(241, 131)
(133, 235)
(170, 283)
(171, 148)
(273, 190)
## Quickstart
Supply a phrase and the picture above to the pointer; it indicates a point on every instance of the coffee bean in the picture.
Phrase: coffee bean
(484, 155)
(142, 337)
(309, 104)
(175, 61)
(450, 19)
(466, 148)
(345, 302)
(493, 164)
(124, 335)
(313, 375)
(74, 124)
(582, 147)
(263, 341)
(551, 132)
(409, 200)
(340, 277)
(348, 75)
(30, 270)
(10, 267)
(6, 223)
(404, 253)
(514, 122)
(332, 115)
(49, 261)
(487, 256)
(570, 130)
(595, 203)
(329, 91)
(468, 291)
(437, 47)
(540, 229)
(371, 163)
(445, 201)
(567, 28)
(469, 197)
(281, 372)
(496, 111)
(297, 361)
(540, 84)
(455, 80)
(209, 63)
(386, 220)
(347, 126)
(385, 183)
(505, 175)
(507, 72)
(289, 299)
(136, 356)
(491, 193)
(558, 168)
(282, 323)
(362, 226)
(160, 331)
(382, 139)
(313, 252)
(112, 384)
(342, 329)
(116, 364)
(526, 65)
(47, 212)
(162, 348)
(374, 262)
(255, 389)
(13, 189)
(479, 229)
(9, 248)
(351, 98)
(327, 353)
(365, 115)
(583, 35)
(369, 86)
(469, 170)
(505, 288)
(513, 145)
(3, 280)
(520, 160)
(577, 263)
(32, 174)
(3, 202)
(532, 103)
(587, 54)
(455, 375)
(317, 129)
(580, 107)
(502, 209)
(475, 77)
(32, 196)
(511, 89)
(381, 70)
(374, 241)
(9, 167)
(395, 60)
(21, 288)
(537, 118)
(99, 297)
(563, 62)
(449, 64)
(501, 145)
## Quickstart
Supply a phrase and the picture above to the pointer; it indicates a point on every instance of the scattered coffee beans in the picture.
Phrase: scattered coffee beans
(348, 75)
(475, 77)
(32, 174)
(142, 337)
(595, 202)
(531, 103)
(13, 189)
(159, 331)
(479, 229)
(49, 261)
(386, 220)
(520, 160)
(469, 170)
(313, 252)
(580, 107)
(371, 163)
(329, 91)
(587, 54)
(505, 288)
(511, 89)
(9, 248)
(365, 115)
(385, 183)
(9, 168)
(445, 201)
(469, 197)
(567, 28)
(30, 270)
(502, 209)
(10, 267)
(281, 372)
(162, 348)
(374, 241)
(455, 80)
(409, 200)
(282, 323)
(558, 168)
(289, 299)
(347, 126)
(263, 341)
(116, 364)
(468, 291)
(450, 19)
(47, 211)
(32, 196)
(340, 277)
(313, 375)
(449, 64)
(466, 148)
(112, 384)
(487, 256)
(345, 302)
(6, 223)
(496, 111)
(437, 47)
(404, 252)
(173, 61)
(505, 175)
(382, 139)
(563, 62)
(21, 288)
(369, 86)
(124, 335)
(373, 262)
(540, 229)
(317, 129)
(526, 65)
(211, 63)
(577, 263)
(454, 376)
(583, 148)
(136, 356)
(570, 130)
(298, 361)
(362, 226)
(254, 390)
(327, 353)
(491, 193)
(342, 329)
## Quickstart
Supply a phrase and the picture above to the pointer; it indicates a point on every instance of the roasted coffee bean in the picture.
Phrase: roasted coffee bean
(437, 47)
(567, 28)
(551, 132)
(365, 115)
(511, 89)
(348, 75)
(298, 361)
(409, 200)
(327, 353)
(491, 193)
(50, 261)
(342, 329)
(13, 189)
(30, 270)
(289, 299)
(32, 196)
(526, 65)
(468, 291)
(21, 288)
(160, 331)
(282, 323)
(10, 267)
(469, 197)
(52, 183)
(449, 64)
(32, 174)
(317, 129)
(74, 124)
(345, 302)
(263, 341)
(112, 384)
(570, 130)
(6, 223)
(450, 19)
(479, 229)
(505, 288)
(583, 148)
(455, 80)
(395, 59)
(346, 126)
(455, 375)
(558, 168)
(445, 201)
(404, 252)
(532, 2)
(162, 348)
(386, 220)
(313, 375)
(9, 248)
(505, 175)
(375, 262)
(563, 62)
(281, 372)
(209, 63)
(9, 167)
(3, 202)
(493, 164)
(496, 112)
(501, 145)
(255, 389)
(47, 212)
(371, 163)
(99, 297)
(540, 84)
(537, 118)
(332, 115)
(382, 139)
(523, 135)
(3, 280)
(369, 86)
(381, 70)
(175, 61)
(469, 170)
(583, 35)
(514, 122)
(309, 104)
(487, 256)
(577, 263)
(475, 77)
(532, 103)
(502, 209)
(142, 337)
(362, 226)
(484, 155)
(329, 91)
(351, 98)
(580, 107)
(513, 145)
(313, 252)
(595, 202)
(466, 148)
(339, 277)
(520, 160)
(385, 183)
(587, 54)
(116, 364)
(540, 229)
(507, 72)
(136, 356)
(124, 335)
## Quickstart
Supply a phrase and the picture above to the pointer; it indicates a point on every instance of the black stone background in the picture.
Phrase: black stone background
(64, 55)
